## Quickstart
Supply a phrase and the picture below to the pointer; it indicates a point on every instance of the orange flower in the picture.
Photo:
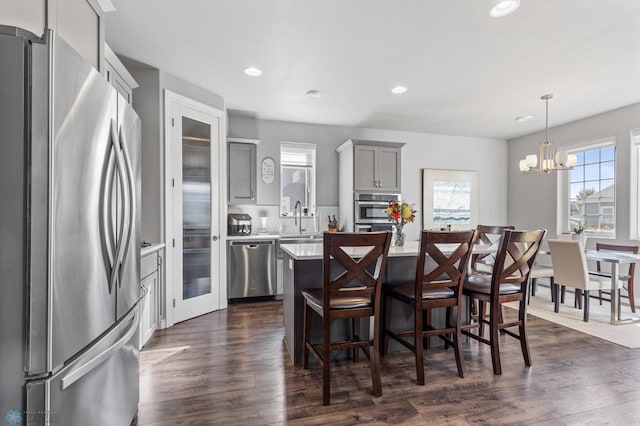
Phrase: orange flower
(400, 214)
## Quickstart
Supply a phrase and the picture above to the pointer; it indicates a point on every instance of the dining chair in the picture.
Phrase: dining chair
(540, 271)
(437, 286)
(488, 235)
(570, 269)
(507, 283)
(482, 263)
(353, 266)
(626, 279)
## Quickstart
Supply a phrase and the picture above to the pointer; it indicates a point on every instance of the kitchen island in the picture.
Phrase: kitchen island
(303, 270)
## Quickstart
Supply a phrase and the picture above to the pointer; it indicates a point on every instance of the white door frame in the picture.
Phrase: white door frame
(219, 264)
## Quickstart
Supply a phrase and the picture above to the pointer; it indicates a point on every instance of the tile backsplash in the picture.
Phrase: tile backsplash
(276, 224)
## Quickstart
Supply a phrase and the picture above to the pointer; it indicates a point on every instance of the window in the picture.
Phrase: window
(297, 177)
(592, 202)
(634, 199)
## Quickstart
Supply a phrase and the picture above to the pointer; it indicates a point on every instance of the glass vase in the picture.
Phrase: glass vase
(398, 239)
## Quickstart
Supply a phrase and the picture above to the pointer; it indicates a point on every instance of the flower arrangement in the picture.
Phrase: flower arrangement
(400, 214)
(579, 229)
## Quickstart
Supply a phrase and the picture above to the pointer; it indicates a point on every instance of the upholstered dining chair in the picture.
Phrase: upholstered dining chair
(570, 269)
(353, 267)
(507, 283)
(539, 271)
(626, 279)
(437, 286)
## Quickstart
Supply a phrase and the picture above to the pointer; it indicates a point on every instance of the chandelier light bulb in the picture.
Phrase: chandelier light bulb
(500, 8)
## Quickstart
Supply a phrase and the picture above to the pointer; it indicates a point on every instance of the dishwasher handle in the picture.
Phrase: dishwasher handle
(252, 244)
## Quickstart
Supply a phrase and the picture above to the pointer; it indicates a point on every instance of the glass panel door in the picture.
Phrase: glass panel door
(196, 208)
(193, 252)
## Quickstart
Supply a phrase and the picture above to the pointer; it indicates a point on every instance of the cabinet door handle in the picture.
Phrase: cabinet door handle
(214, 238)
(253, 197)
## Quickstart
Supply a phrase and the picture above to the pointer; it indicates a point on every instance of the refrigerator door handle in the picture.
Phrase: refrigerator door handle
(130, 203)
(77, 373)
(109, 242)
(123, 210)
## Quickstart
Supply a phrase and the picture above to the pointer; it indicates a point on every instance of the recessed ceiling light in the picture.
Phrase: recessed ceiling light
(398, 89)
(524, 117)
(313, 94)
(253, 72)
(500, 8)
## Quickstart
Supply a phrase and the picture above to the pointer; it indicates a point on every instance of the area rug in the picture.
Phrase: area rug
(627, 335)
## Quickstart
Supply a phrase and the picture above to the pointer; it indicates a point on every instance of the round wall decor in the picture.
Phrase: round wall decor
(268, 170)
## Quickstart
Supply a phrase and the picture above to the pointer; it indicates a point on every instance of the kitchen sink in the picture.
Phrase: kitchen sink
(300, 239)
(297, 239)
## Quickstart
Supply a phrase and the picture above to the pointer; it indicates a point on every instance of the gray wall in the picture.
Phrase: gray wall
(271, 133)
(532, 198)
(422, 150)
(148, 101)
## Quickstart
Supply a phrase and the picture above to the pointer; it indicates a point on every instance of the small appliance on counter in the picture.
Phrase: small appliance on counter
(263, 225)
(239, 224)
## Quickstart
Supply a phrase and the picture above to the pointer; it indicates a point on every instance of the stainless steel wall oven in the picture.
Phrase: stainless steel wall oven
(369, 209)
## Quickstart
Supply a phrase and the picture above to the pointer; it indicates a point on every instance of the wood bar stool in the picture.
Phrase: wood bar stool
(507, 283)
(439, 287)
(353, 266)
(488, 235)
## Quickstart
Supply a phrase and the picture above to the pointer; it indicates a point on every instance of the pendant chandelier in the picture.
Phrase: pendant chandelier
(549, 160)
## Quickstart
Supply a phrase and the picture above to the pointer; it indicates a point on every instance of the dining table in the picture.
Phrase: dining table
(615, 259)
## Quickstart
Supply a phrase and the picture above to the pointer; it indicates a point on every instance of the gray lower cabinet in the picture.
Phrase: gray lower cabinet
(242, 173)
(150, 288)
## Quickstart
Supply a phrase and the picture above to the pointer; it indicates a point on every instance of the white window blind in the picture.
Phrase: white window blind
(297, 154)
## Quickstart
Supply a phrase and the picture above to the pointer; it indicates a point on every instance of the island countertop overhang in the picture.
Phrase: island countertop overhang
(314, 251)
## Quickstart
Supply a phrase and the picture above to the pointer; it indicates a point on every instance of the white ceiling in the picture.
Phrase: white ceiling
(467, 73)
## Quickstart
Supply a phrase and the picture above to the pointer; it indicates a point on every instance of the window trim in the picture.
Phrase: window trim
(312, 209)
(563, 197)
(634, 185)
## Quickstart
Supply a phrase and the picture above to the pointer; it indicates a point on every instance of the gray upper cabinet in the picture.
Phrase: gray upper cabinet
(377, 168)
(242, 173)
(118, 75)
(78, 22)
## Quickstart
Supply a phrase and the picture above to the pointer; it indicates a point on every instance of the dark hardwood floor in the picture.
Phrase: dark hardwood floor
(231, 368)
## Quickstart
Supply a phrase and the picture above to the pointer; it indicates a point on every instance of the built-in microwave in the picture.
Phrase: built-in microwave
(370, 208)
(373, 227)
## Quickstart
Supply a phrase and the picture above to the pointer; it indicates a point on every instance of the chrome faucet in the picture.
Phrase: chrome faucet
(297, 210)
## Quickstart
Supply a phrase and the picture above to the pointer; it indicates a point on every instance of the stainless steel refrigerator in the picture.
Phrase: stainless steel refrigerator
(69, 239)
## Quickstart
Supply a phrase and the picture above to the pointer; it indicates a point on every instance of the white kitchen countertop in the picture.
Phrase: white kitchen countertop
(314, 251)
(274, 236)
(154, 247)
(253, 237)
(410, 248)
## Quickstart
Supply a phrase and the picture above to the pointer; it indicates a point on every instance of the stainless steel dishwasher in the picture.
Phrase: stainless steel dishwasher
(251, 268)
